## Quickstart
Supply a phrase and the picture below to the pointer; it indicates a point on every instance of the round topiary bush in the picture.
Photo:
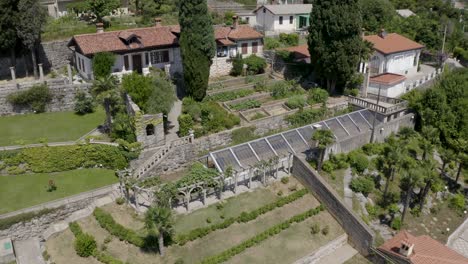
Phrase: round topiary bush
(85, 245)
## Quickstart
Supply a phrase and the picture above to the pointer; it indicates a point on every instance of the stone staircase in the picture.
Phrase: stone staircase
(159, 155)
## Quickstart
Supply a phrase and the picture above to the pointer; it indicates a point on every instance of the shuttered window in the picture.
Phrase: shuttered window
(244, 48)
(254, 47)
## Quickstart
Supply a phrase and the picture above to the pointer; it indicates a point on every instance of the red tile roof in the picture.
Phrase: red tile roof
(426, 250)
(387, 78)
(158, 36)
(300, 52)
(392, 43)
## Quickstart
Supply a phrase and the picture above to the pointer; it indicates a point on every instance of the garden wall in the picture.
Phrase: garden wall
(53, 55)
(63, 96)
(360, 235)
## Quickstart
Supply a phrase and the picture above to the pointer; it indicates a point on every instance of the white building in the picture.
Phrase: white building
(287, 18)
(141, 48)
(394, 59)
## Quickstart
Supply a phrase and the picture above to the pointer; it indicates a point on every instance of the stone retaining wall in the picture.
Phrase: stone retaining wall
(360, 235)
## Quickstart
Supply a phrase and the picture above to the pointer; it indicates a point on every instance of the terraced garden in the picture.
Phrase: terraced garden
(269, 234)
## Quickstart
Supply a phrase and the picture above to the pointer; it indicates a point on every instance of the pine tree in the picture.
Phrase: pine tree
(8, 22)
(335, 42)
(197, 46)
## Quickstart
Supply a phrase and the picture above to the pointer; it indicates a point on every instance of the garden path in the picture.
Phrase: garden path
(28, 251)
(348, 193)
(173, 123)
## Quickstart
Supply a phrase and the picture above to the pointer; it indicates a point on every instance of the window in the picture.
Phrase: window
(244, 48)
(161, 56)
(291, 19)
(281, 20)
(150, 130)
(126, 64)
(79, 63)
(247, 19)
(415, 62)
(83, 65)
(147, 58)
(222, 51)
(254, 47)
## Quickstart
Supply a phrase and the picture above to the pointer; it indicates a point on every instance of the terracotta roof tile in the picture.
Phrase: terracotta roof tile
(300, 52)
(387, 78)
(392, 43)
(426, 250)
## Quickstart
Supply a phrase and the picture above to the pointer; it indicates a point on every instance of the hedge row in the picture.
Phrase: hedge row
(106, 221)
(243, 218)
(227, 254)
(100, 256)
(63, 158)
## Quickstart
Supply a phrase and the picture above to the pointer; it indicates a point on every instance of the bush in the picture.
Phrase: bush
(237, 65)
(315, 228)
(255, 64)
(36, 98)
(373, 148)
(102, 64)
(191, 107)
(243, 134)
(208, 220)
(364, 185)
(339, 161)
(328, 166)
(305, 117)
(396, 223)
(358, 161)
(352, 92)
(120, 200)
(230, 95)
(280, 193)
(85, 245)
(185, 124)
(279, 89)
(296, 101)
(248, 104)
(289, 39)
(457, 202)
(214, 118)
(139, 87)
(271, 43)
(317, 95)
(372, 210)
(326, 230)
(83, 104)
(285, 180)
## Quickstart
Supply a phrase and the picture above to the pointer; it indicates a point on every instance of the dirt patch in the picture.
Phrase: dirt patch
(91, 226)
(61, 250)
(125, 215)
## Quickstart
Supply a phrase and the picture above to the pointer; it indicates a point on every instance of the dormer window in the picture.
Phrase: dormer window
(129, 37)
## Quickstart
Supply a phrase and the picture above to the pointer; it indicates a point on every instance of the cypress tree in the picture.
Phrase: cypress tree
(335, 42)
(197, 46)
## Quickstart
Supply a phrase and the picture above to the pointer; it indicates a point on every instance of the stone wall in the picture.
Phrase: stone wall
(53, 55)
(360, 235)
(220, 67)
(37, 226)
(63, 96)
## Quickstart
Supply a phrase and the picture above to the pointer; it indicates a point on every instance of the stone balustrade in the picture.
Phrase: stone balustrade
(424, 79)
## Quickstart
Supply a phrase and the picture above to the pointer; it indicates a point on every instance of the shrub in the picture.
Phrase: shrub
(248, 104)
(339, 161)
(185, 124)
(326, 230)
(364, 185)
(230, 95)
(328, 166)
(317, 95)
(396, 223)
(280, 193)
(373, 148)
(214, 118)
(83, 104)
(457, 202)
(271, 43)
(85, 245)
(102, 64)
(243, 134)
(120, 200)
(36, 98)
(258, 115)
(139, 87)
(260, 84)
(237, 65)
(372, 210)
(191, 107)
(352, 92)
(315, 228)
(305, 117)
(285, 180)
(296, 101)
(255, 64)
(358, 161)
(279, 89)
(208, 220)
(289, 39)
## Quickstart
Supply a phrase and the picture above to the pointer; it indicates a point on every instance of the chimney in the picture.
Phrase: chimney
(235, 22)
(99, 28)
(157, 22)
(406, 248)
(383, 33)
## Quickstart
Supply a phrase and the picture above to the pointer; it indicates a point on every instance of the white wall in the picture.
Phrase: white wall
(252, 19)
(286, 27)
(265, 20)
(86, 68)
(388, 91)
(249, 47)
(402, 62)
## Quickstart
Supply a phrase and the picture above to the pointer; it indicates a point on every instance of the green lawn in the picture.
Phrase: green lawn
(53, 127)
(17, 192)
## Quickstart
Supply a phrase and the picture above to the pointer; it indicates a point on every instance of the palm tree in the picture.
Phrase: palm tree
(105, 92)
(389, 161)
(462, 161)
(324, 138)
(428, 141)
(447, 155)
(411, 178)
(430, 176)
(160, 221)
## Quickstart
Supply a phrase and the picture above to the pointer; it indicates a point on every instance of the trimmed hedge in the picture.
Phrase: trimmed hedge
(257, 239)
(63, 158)
(243, 218)
(107, 222)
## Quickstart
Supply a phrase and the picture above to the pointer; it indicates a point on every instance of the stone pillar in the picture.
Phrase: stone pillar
(41, 72)
(251, 172)
(191, 135)
(289, 164)
(13, 73)
(235, 183)
(204, 196)
(70, 75)
(187, 200)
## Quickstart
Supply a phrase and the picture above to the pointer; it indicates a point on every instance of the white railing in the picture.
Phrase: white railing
(424, 79)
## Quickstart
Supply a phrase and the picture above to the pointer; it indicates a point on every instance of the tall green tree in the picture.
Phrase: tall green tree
(31, 17)
(324, 139)
(430, 176)
(102, 64)
(376, 14)
(197, 45)
(412, 177)
(104, 89)
(102, 8)
(154, 8)
(390, 161)
(160, 221)
(8, 22)
(335, 43)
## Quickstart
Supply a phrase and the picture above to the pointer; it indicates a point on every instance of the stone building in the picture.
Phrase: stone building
(158, 46)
